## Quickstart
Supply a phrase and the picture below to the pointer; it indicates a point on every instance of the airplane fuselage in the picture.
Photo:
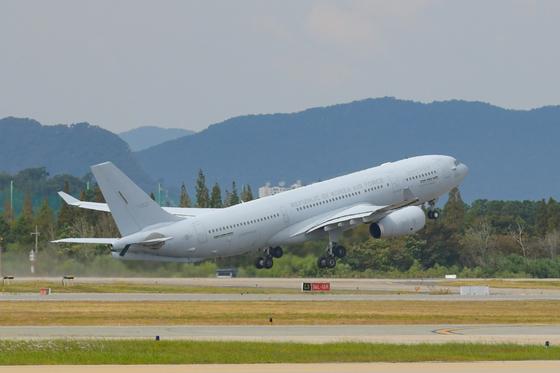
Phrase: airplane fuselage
(282, 218)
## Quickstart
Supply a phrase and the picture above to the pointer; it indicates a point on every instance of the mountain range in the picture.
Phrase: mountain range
(512, 154)
(64, 149)
(147, 136)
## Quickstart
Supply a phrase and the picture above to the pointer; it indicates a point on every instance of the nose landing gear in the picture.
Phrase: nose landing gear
(433, 213)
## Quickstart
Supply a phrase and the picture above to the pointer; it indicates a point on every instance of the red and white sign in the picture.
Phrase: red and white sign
(320, 286)
(316, 286)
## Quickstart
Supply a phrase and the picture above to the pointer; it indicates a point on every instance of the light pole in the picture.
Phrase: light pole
(11, 201)
(1, 239)
(33, 252)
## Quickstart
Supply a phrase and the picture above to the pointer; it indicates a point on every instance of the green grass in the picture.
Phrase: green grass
(85, 352)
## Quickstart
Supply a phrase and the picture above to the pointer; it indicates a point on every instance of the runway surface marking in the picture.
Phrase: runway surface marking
(447, 331)
(471, 367)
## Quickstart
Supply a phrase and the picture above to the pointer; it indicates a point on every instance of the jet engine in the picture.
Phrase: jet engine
(399, 223)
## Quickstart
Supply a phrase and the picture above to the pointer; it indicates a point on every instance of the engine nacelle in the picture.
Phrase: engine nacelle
(407, 220)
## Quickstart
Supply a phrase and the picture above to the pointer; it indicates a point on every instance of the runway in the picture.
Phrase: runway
(363, 284)
(302, 333)
(471, 367)
(342, 289)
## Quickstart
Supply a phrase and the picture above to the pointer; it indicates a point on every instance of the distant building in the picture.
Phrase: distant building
(269, 190)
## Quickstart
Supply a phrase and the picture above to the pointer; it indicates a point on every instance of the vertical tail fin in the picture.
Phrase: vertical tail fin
(132, 209)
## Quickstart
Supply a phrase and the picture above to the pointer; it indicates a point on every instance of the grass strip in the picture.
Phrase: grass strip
(283, 313)
(190, 352)
(127, 287)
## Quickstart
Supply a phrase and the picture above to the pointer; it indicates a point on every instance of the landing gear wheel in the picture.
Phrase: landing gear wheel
(339, 251)
(268, 262)
(259, 263)
(276, 252)
(322, 262)
(433, 214)
(331, 262)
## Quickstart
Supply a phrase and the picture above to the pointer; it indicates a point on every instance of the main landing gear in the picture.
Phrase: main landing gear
(433, 213)
(266, 261)
(334, 251)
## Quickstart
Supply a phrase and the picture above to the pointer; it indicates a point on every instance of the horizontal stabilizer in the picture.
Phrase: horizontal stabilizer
(183, 212)
(97, 206)
(102, 241)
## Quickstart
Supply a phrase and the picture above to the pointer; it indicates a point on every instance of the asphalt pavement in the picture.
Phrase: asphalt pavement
(301, 333)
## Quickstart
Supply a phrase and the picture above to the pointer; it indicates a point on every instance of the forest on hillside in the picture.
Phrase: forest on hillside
(483, 238)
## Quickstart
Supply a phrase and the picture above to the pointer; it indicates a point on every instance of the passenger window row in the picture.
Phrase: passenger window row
(376, 187)
(425, 174)
(330, 200)
(245, 223)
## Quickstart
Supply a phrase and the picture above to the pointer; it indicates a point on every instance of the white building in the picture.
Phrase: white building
(269, 190)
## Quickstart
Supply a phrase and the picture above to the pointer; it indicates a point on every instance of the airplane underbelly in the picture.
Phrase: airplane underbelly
(217, 245)
(246, 241)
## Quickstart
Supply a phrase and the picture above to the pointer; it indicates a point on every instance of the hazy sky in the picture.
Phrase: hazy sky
(122, 64)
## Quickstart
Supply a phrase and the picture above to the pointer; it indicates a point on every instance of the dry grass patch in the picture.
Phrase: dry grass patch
(297, 313)
(127, 287)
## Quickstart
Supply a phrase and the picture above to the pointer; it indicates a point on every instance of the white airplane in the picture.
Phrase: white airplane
(387, 197)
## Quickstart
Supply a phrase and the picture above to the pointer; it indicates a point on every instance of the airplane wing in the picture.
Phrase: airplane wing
(185, 212)
(361, 213)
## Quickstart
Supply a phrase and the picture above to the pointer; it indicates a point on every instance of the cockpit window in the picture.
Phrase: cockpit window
(457, 163)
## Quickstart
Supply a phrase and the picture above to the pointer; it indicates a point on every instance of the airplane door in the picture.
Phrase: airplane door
(396, 185)
(401, 192)
(396, 188)
(201, 233)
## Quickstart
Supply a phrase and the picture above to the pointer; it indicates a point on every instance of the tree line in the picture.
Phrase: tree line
(35, 192)
(483, 238)
(213, 198)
